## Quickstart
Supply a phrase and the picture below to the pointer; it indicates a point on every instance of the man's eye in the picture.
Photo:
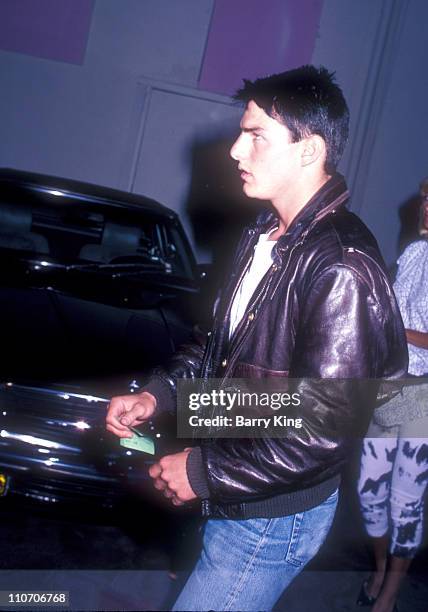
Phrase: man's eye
(257, 136)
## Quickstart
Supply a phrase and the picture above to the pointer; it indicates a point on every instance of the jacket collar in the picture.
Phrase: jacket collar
(332, 194)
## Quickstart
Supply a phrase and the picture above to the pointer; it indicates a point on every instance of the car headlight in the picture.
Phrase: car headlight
(4, 483)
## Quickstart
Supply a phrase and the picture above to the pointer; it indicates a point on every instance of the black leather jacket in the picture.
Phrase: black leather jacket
(325, 309)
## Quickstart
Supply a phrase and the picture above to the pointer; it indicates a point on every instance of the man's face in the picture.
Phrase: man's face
(425, 211)
(268, 159)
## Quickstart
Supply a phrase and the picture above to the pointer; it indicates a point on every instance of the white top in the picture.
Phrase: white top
(411, 290)
(261, 263)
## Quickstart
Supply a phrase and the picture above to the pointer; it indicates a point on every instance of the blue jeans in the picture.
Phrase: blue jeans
(246, 565)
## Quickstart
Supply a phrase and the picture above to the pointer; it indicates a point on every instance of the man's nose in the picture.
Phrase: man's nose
(236, 149)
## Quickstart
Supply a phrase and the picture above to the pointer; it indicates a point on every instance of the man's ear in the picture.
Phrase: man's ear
(313, 149)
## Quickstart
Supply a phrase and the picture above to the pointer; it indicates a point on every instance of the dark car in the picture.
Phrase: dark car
(96, 286)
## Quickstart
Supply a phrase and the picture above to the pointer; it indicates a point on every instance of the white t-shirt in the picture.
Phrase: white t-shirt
(411, 290)
(261, 263)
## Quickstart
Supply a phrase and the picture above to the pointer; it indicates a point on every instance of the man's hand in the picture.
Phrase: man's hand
(128, 411)
(170, 476)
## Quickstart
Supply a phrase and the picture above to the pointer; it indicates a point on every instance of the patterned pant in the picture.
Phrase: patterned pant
(393, 478)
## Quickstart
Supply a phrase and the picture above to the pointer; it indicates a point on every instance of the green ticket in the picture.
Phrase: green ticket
(144, 444)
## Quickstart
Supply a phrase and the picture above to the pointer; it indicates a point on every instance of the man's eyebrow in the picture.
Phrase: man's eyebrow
(252, 129)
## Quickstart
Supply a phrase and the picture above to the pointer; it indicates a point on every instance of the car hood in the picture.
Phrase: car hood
(58, 438)
(50, 336)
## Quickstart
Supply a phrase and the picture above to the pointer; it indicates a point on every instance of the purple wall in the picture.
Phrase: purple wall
(253, 38)
(52, 29)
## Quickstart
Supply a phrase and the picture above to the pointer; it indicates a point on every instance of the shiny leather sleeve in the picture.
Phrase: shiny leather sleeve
(343, 330)
(185, 363)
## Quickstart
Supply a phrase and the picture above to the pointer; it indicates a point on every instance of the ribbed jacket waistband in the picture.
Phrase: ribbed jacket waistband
(279, 505)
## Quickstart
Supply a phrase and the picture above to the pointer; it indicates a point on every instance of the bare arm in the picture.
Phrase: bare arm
(417, 338)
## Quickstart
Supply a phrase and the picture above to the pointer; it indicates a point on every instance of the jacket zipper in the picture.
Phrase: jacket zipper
(223, 329)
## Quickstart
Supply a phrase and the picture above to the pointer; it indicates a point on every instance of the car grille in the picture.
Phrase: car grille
(46, 412)
(54, 446)
(55, 491)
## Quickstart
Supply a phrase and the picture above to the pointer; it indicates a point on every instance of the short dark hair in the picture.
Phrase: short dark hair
(307, 101)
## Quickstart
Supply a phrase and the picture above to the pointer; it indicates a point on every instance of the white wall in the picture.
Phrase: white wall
(94, 122)
(75, 121)
(378, 48)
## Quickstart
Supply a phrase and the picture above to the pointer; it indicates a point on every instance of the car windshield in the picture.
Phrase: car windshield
(77, 233)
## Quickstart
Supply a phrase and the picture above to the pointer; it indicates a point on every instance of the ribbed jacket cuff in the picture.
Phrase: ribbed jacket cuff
(196, 473)
(165, 400)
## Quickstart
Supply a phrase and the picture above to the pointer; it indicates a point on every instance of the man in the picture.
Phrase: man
(309, 299)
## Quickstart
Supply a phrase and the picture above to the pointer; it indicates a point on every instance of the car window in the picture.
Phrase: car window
(177, 252)
(67, 230)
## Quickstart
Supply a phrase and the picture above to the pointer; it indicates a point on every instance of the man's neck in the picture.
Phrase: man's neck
(289, 206)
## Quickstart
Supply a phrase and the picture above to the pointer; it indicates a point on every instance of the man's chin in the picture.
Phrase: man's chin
(250, 191)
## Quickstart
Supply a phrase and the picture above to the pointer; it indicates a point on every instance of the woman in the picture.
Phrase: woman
(394, 464)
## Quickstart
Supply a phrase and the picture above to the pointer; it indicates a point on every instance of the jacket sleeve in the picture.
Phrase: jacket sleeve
(343, 330)
(185, 363)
